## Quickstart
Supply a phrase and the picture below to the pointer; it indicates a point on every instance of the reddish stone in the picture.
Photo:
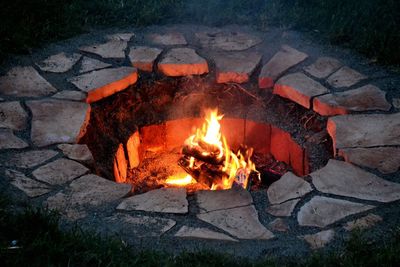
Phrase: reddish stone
(153, 137)
(233, 130)
(182, 62)
(258, 136)
(120, 165)
(177, 131)
(132, 147)
(280, 145)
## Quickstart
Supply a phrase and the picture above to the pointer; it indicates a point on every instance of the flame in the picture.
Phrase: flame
(181, 179)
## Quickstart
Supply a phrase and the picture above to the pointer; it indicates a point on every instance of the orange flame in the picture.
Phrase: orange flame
(181, 179)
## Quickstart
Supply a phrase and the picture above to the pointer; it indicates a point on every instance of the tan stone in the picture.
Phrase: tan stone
(385, 159)
(283, 60)
(143, 57)
(320, 239)
(236, 67)
(278, 225)
(13, 116)
(59, 63)
(202, 233)
(89, 64)
(30, 158)
(227, 40)
(166, 200)
(77, 152)
(120, 36)
(344, 179)
(323, 67)
(103, 83)
(120, 165)
(8, 140)
(182, 62)
(299, 88)
(173, 38)
(25, 82)
(240, 222)
(29, 186)
(285, 209)
(370, 130)
(345, 77)
(57, 121)
(365, 98)
(70, 95)
(110, 49)
(365, 222)
(288, 187)
(132, 147)
(60, 171)
(323, 211)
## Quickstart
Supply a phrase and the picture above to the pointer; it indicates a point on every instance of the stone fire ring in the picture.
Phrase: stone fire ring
(41, 161)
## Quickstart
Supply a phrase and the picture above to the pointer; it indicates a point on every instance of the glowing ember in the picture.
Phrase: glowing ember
(181, 179)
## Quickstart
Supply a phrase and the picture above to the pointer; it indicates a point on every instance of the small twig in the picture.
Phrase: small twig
(308, 120)
(247, 92)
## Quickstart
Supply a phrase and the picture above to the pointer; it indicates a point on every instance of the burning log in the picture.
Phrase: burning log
(205, 155)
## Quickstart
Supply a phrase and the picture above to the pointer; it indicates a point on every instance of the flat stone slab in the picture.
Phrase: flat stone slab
(182, 62)
(283, 60)
(283, 210)
(278, 225)
(102, 83)
(143, 57)
(236, 67)
(127, 36)
(13, 116)
(210, 200)
(365, 222)
(228, 41)
(90, 64)
(166, 200)
(25, 82)
(240, 222)
(173, 38)
(323, 67)
(70, 95)
(29, 186)
(349, 131)
(8, 140)
(111, 49)
(345, 77)
(344, 179)
(323, 211)
(385, 159)
(59, 63)
(202, 233)
(77, 152)
(57, 121)
(30, 159)
(365, 98)
(288, 187)
(138, 225)
(320, 239)
(299, 88)
(59, 171)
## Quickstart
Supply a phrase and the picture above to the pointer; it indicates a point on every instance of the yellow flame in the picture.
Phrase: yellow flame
(181, 179)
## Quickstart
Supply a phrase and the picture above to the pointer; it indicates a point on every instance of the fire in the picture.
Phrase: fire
(181, 179)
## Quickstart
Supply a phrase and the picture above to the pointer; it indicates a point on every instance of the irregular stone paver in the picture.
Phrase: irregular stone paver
(323, 211)
(344, 179)
(182, 62)
(202, 233)
(139, 225)
(110, 49)
(9, 140)
(236, 67)
(57, 121)
(345, 77)
(25, 82)
(320, 239)
(285, 209)
(102, 83)
(323, 67)
(29, 186)
(77, 152)
(30, 159)
(299, 88)
(385, 159)
(70, 95)
(210, 200)
(89, 64)
(174, 38)
(365, 98)
(364, 130)
(59, 171)
(167, 200)
(283, 60)
(396, 103)
(13, 116)
(288, 187)
(278, 225)
(240, 222)
(363, 223)
(59, 63)
(121, 36)
(143, 57)
(228, 41)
